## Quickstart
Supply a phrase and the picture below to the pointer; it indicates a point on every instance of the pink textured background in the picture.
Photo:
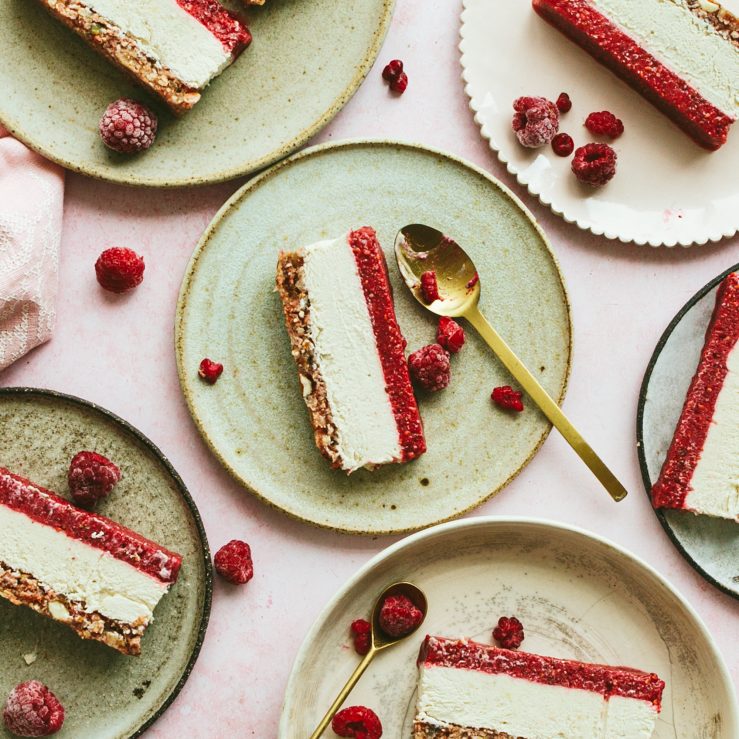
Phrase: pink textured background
(118, 351)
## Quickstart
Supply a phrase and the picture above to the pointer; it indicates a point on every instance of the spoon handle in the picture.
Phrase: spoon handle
(548, 407)
(341, 697)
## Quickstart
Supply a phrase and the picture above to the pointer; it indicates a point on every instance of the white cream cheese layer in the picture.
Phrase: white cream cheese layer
(80, 572)
(715, 482)
(519, 707)
(685, 43)
(170, 35)
(347, 357)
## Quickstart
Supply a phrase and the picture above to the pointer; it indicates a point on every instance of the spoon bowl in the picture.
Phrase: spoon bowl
(381, 640)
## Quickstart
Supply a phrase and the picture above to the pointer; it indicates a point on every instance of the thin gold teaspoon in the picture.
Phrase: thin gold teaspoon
(419, 249)
(380, 641)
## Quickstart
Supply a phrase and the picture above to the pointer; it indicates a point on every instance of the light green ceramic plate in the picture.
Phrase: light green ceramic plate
(307, 59)
(106, 695)
(254, 418)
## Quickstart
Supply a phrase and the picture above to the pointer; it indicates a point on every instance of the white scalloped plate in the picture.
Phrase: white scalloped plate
(667, 191)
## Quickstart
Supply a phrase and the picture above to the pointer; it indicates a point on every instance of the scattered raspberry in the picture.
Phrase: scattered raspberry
(361, 635)
(509, 632)
(33, 710)
(91, 477)
(564, 104)
(604, 124)
(563, 144)
(357, 721)
(594, 164)
(429, 287)
(210, 371)
(233, 561)
(473, 281)
(507, 397)
(119, 269)
(399, 616)
(535, 121)
(450, 335)
(394, 75)
(128, 126)
(430, 367)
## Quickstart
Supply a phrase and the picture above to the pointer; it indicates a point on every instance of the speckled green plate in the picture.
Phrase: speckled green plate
(106, 695)
(579, 597)
(307, 59)
(254, 418)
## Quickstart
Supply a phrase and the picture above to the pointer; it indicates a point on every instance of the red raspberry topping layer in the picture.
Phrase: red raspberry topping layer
(430, 367)
(361, 635)
(94, 530)
(91, 477)
(450, 335)
(128, 126)
(604, 123)
(399, 615)
(563, 145)
(233, 561)
(358, 722)
(372, 269)
(210, 371)
(535, 121)
(564, 104)
(33, 710)
(594, 164)
(509, 632)
(429, 287)
(226, 26)
(508, 398)
(394, 75)
(119, 269)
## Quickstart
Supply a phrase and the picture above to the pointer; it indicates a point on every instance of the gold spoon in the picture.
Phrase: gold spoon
(420, 248)
(380, 641)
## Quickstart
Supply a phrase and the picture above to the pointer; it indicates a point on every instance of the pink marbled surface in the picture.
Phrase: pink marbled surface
(118, 352)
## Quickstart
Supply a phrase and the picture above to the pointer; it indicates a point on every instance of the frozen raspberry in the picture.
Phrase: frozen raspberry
(33, 710)
(563, 145)
(507, 397)
(119, 269)
(509, 632)
(394, 75)
(450, 335)
(91, 477)
(361, 635)
(430, 367)
(594, 164)
(128, 126)
(604, 124)
(535, 121)
(233, 561)
(210, 371)
(429, 287)
(358, 722)
(564, 104)
(399, 616)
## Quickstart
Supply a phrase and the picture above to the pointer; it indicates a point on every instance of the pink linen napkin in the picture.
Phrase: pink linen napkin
(31, 199)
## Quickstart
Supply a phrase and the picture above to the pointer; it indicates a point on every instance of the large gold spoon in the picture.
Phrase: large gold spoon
(420, 249)
(380, 641)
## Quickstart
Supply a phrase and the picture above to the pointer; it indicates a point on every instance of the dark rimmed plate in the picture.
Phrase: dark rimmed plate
(106, 695)
(711, 545)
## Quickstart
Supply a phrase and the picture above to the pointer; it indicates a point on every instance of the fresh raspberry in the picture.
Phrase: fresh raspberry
(119, 269)
(128, 126)
(563, 145)
(233, 561)
(399, 85)
(91, 477)
(429, 287)
(399, 616)
(392, 70)
(509, 632)
(507, 397)
(564, 104)
(430, 367)
(535, 121)
(361, 635)
(604, 124)
(357, 721)
(210, 371)
(594, 164)
(450, 335)
(33, 710)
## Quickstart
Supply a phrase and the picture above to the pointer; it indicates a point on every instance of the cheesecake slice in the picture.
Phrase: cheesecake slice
(174, 48)
(79, 568)
(681, 55)
(701, 470)
(350, 352)
(468, 690)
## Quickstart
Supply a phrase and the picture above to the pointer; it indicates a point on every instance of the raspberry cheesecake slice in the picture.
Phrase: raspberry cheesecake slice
(468, 690)
(79, 568)
(681, 55)
(350, 352)
(174, 48)
(701, 469)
